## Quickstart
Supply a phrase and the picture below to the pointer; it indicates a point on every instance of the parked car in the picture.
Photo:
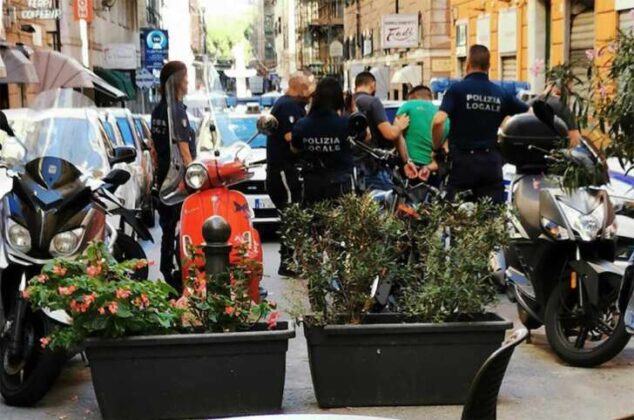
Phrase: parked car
(142, 170)
(233, 129)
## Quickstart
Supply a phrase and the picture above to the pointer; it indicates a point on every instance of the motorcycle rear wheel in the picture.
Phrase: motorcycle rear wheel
(41, 367)
(565, 321)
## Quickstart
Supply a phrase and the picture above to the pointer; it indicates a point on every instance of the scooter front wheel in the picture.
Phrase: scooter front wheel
(583, 337)
(25, 379)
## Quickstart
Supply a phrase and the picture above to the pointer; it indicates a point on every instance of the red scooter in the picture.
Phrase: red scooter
(208, 180)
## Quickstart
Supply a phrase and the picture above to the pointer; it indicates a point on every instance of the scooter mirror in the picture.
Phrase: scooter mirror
(117, 177)
(267, 124)
(544, 113)
(357, 123)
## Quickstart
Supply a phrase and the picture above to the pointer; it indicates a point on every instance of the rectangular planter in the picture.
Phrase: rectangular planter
(190, 375)
(385, 362)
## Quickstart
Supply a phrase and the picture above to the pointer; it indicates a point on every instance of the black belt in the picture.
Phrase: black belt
(478, 151)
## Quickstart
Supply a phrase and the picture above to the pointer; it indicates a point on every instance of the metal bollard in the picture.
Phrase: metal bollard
(216, 232)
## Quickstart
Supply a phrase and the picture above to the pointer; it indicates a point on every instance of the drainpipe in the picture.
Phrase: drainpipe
(396, 4)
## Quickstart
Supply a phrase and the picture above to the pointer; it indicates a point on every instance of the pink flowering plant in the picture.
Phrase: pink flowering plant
(100, 297)
(224, 304)
(103, 301)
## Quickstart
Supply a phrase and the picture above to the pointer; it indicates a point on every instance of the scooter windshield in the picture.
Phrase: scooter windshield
(64, 124)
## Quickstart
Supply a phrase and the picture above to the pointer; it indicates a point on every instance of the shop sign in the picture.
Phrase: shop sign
(399, 31)
(154, 49)
(40, 10)
(83, 10)
(120, 56)
(507, 31)
(623, 4)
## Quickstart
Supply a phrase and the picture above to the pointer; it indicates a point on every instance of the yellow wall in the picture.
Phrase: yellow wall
(606, 24)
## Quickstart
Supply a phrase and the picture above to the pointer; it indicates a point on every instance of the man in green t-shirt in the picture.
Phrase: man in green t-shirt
(418, 135)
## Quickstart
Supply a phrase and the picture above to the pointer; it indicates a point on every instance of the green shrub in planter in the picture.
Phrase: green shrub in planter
(439, 259)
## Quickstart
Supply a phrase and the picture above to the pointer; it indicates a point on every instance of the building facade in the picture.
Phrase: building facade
(285, 38)
(527, 36)
(386, 35)
(320, 36)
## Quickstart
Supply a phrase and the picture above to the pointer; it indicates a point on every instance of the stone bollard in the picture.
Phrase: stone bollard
(216, 232)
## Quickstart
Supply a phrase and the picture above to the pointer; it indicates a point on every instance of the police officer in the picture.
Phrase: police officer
(322, 139)
(282, 181)
(476, 107)
(173, 89)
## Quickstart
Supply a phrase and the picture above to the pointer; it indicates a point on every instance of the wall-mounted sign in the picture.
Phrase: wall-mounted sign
(441, 65)
(120, 56)
(336, 49)
(144, 79)
(507, 31)
(483, 31)
(40, 10)
(367, 47)
(83, 10)
(623, 4)
(399, 31)
(154, 49)
(461, 39)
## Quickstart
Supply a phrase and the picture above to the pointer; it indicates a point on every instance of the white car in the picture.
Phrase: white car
(232, 130)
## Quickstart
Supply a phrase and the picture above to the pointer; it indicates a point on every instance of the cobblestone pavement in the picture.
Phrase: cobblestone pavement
(537, 384)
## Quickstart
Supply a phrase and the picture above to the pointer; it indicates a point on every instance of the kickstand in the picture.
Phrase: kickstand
(529, 338)
(84, 358)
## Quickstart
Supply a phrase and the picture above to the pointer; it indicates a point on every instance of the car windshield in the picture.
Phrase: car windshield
(126, 131)
(110, 132)
(234, 129)
(139, 127)
(75, 139)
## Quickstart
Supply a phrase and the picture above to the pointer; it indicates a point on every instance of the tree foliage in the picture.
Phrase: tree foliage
(224, 32)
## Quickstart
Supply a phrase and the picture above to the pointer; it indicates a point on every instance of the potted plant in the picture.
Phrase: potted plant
(428, 349)
(212, 352)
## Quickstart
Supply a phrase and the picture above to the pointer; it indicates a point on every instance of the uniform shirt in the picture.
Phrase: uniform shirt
(477, 108)
(373, 109)
(322, 137)
(161, 135)
(418, 135)
(287, 110)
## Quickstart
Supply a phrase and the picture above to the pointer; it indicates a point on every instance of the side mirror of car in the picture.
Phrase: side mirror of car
(358, 123)
(212, 128)
(267, 124)
(123, 154)
(117, 177)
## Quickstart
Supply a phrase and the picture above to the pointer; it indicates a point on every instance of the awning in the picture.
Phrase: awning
(57, 70)
(410, 74)
(119, 79)
(17, 67)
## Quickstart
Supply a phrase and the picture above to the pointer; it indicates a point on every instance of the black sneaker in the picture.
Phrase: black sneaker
(286, 272)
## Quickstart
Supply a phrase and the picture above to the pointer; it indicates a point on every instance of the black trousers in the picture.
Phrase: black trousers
(284, 188)
(325, 186)
(168, 219)
(479, 171)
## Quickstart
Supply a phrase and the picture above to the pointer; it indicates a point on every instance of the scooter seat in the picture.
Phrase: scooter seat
(526, 202)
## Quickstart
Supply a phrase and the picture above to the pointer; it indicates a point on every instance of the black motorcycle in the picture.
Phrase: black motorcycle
(560, 264)
(57, 198)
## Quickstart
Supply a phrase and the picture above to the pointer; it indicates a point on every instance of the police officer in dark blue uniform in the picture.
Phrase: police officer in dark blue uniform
(173, 89)
(322, 139)
(476, 107)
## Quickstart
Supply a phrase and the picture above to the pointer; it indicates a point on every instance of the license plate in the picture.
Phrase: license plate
(263, 203)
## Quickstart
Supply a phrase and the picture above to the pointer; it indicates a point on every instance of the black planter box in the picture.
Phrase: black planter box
(190, 375)
(385, 362)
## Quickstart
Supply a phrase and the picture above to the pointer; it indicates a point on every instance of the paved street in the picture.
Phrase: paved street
(537, 384)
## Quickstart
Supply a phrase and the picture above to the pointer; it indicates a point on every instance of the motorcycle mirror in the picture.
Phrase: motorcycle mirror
(545, 114)
(117, 177)
(267, 124)
(123, 154)
(357, 123)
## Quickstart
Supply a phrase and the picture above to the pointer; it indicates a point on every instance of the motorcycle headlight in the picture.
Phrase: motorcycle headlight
(67, 243)
(18, 236)
(196, 176)
(587, 226)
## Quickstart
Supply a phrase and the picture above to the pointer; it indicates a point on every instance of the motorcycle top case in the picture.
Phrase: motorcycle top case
(234, 208)
(526, 130)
